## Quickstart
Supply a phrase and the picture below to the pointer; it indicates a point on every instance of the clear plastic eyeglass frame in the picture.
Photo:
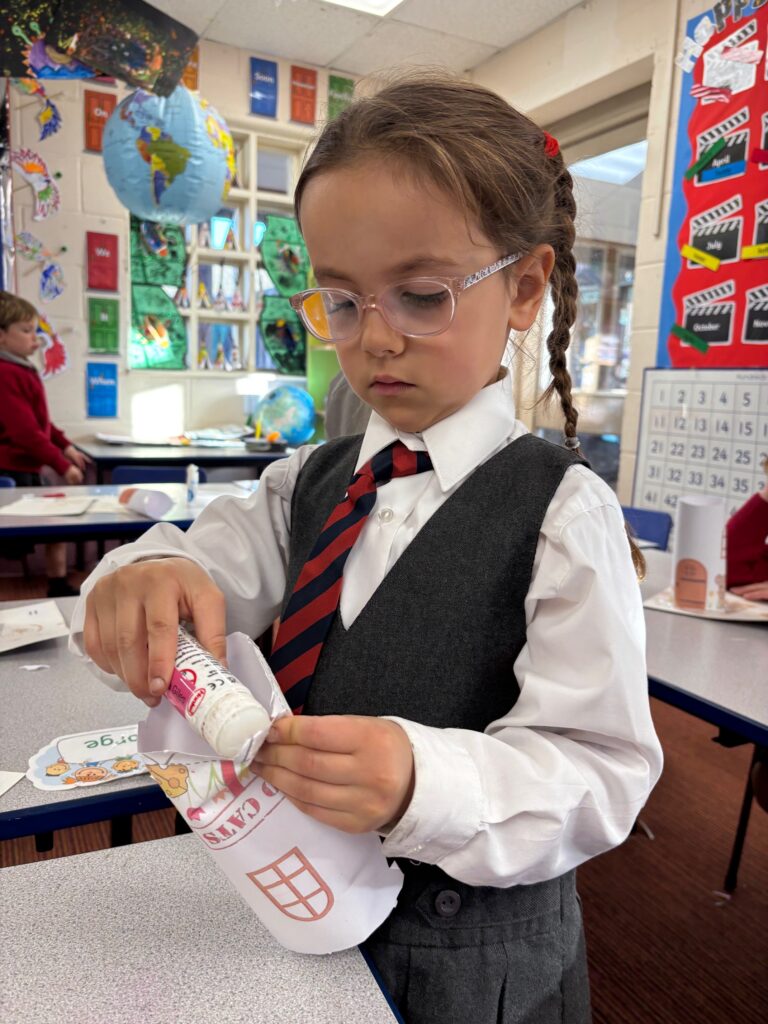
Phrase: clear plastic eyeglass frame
(454, 285)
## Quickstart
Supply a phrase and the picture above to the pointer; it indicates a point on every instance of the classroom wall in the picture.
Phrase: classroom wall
(184, 399)
(592, 53)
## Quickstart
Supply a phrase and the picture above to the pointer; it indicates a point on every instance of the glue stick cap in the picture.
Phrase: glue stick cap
(232, 720)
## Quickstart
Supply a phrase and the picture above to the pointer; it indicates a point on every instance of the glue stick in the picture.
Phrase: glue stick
(193, 479)
(223, 711)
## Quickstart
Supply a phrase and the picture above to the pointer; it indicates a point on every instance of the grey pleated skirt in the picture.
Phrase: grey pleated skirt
(458, 954)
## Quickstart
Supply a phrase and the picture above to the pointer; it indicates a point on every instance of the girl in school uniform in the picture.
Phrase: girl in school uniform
(461, 624)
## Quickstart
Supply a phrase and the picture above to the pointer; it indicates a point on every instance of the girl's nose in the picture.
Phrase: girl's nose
(377, 337)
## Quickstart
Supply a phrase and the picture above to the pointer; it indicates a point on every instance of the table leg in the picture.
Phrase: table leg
(121, 830)
(180, 827)
(43, 842)
(741, 830)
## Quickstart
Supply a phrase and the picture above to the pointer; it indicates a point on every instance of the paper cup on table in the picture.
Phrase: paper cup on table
(699, 553)
(317, 890)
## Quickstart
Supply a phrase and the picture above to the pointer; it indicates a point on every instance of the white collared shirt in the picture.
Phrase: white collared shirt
(563, 775)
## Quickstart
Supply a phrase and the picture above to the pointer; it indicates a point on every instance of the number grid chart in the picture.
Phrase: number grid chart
(701, 432)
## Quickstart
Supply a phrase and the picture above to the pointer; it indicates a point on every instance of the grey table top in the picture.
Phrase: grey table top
(721, 663)
(39, 706)
(180, 512)
(155, 933)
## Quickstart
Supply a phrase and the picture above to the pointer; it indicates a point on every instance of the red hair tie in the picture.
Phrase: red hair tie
(551, 145)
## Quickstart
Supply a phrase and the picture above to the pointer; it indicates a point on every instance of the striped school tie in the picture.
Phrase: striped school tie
(315, 598)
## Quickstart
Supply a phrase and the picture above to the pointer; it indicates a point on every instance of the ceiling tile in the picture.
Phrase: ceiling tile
(302, 30)
(497, 23)
(195, 14)
(394, 44)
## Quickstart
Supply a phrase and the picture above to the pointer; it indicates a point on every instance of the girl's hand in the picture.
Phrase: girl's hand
(351, 772)
(753, 591)
(73, 475)
(80, 459)
(132, 618)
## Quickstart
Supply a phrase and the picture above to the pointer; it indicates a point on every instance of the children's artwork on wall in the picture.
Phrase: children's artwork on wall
(340, 91)
(191, 73)
(158, 253)
(101, 390)
(714, 310)
(87, 759)
(126, 38)
(283, 334)
(303, 94)
(263, 87)
(158, 337)
(97, 106)
(34, 170)
(52, 282)
(285, 255)
(28, 247)
(55, 356)
(103, 326)
(169, 159)
(48, 117)
(102, 261)
(26, 51)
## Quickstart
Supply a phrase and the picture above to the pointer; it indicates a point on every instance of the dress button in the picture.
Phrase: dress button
(386, 515)
(448, 903)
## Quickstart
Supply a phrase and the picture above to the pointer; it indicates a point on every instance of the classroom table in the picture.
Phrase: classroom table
(714, 670)
(58, 701)
(123, 525)
(106, 456)
(155, 933)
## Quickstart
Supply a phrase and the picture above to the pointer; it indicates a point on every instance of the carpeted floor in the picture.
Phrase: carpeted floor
(664, 948)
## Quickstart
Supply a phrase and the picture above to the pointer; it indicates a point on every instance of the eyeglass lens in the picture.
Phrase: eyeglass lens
(417, 308)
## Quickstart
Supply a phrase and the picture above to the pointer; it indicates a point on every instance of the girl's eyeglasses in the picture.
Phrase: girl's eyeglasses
(418, 308)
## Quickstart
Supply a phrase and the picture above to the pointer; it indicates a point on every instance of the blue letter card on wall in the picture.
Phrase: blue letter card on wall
(263, 87)
(101, 389)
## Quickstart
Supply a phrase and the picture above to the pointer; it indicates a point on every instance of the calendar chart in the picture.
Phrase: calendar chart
(701, 432)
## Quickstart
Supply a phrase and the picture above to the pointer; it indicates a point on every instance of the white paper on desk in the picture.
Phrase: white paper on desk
(30, 624)
(316, 889)
(8, 780)
(31, 505)
(737, 608)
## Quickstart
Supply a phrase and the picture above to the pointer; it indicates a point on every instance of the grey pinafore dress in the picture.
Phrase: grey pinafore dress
(436, 644)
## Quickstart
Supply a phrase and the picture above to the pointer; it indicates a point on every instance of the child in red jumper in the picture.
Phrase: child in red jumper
(28, 439)
(747, 547)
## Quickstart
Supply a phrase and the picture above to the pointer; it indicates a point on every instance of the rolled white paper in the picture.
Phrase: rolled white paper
(699, 552)
(316, 889)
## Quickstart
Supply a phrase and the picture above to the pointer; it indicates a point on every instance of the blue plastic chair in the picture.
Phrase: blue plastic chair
(153, 475)
(646, 524)
(7, 481)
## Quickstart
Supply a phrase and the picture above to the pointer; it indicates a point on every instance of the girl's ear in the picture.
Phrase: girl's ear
(532, 276)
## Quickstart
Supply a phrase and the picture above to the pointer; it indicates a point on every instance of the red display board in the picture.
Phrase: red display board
(715, 304)
(97, 108)
(102, 261)
(303, 94)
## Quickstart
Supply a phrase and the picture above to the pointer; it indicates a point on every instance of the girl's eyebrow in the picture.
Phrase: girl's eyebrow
(420, 262)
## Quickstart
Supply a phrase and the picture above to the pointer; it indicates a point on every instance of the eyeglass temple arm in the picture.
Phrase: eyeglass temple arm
(480, 275)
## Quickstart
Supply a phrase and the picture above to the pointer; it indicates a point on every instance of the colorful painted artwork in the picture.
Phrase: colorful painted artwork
(190, 77)
(126, 38)
(54, 353)
(158, 336)
(48, 117)
(52, 282)
(158, 253)
(26, 50)
(285, 255)
(283, 334)
(28, 247)
(34, 170)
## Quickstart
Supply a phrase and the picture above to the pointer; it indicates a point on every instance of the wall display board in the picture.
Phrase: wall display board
(714, 309)
(701, 432)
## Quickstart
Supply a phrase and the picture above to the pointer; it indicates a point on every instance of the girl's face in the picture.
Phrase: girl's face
(368, 226)
(20, 338)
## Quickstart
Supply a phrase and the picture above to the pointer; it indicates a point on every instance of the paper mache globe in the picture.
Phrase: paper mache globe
(289, 410)
(169, 159)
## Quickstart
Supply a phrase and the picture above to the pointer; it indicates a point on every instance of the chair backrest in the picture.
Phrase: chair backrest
(647, 524)
(152, 475)
(7, 481)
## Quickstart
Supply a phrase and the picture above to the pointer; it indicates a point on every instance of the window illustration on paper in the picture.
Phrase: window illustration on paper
(294, 886)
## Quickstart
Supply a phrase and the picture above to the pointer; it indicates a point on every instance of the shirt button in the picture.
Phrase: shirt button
(448, 903)
(386, 515)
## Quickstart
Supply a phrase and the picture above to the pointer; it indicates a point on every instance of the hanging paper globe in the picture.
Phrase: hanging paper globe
(169, 159)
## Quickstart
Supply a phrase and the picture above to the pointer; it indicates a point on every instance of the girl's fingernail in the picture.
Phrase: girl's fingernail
(151, 702)
(157, 686)
(272, 735)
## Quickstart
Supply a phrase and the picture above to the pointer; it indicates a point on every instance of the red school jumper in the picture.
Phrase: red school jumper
(747, 530)
(28, 439)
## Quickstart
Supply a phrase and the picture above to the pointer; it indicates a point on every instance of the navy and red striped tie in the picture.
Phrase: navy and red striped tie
(315, 598)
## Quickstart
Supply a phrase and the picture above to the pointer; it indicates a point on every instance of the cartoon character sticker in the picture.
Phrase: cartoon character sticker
(87, 759)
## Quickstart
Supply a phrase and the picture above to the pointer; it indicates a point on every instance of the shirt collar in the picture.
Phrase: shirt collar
(458, 444)
(10, 357)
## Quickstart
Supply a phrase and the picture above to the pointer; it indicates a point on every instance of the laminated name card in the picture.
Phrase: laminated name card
(316, 889)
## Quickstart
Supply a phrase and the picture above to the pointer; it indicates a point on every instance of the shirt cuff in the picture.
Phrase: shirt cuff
(446, 809)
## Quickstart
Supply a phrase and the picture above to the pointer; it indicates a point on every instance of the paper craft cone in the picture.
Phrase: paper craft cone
(699, 553)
